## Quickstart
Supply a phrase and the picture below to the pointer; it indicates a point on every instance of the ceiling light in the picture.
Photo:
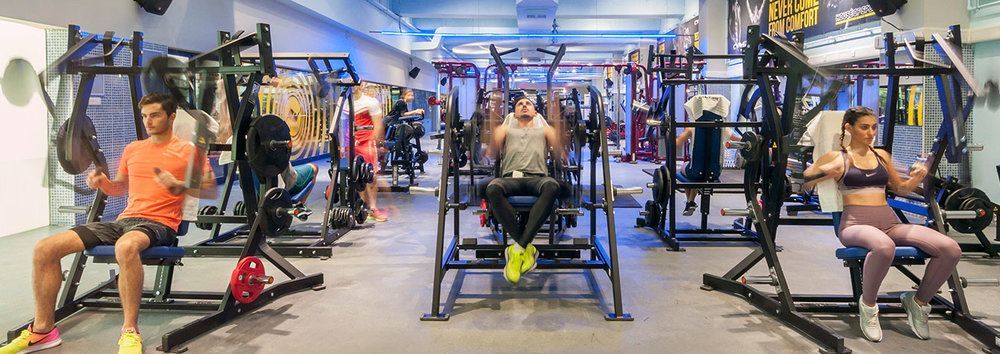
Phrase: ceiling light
(527, 35)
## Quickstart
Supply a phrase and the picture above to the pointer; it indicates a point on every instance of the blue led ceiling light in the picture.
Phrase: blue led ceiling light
(527, 35)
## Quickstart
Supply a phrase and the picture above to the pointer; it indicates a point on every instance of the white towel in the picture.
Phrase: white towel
(823, 133)
(717, 104)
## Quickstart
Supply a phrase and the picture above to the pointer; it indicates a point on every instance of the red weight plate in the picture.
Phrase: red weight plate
(243, 282)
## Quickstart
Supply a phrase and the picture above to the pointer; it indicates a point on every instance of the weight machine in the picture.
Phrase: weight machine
(765, 57)
(660, 213)
(335, 78)
(261, 140)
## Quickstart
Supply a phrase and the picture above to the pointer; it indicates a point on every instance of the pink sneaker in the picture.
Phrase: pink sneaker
(29, 342)
(380, 215)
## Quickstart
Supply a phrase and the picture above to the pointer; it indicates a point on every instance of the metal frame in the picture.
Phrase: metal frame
(948, 143)
(336, 83)
(672, 71)
(449, 194)
(221, 305)
(784, 58)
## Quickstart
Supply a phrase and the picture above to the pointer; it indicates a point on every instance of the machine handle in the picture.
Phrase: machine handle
(424, 191)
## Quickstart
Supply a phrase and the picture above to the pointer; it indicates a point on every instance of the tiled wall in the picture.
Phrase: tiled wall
(911, 141)
(111, 112)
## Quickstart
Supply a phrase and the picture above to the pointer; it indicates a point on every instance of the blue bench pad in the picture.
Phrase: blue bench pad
(150, 253)
(859, 253)
(522, 201)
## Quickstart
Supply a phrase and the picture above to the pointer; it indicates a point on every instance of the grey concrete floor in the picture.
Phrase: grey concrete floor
(379, 284)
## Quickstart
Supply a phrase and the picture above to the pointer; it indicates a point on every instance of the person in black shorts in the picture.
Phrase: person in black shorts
(151, 172)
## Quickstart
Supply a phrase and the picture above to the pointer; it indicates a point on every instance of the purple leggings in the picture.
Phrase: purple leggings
(877, 229)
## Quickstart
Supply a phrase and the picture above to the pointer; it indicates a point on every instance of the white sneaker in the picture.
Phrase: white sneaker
(916, 314)
(870, 328)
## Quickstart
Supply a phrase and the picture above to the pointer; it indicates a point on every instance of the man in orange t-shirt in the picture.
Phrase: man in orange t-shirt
(152, 172)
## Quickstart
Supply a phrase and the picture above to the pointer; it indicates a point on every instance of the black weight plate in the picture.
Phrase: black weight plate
(421, 157)
(84, 146)
(277, 221)
(206, 210)
(418, 130)
(954, 199)
(982, 207)
(360, 213)
(167, 74)
(357, 173)
(657, 185)
(968, 198)
(265, 159)
(652, 213)
(663, 191)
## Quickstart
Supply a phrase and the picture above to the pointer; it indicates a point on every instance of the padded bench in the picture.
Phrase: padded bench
(522, 201)
(854, 259)
(154, 255)
(907, 253)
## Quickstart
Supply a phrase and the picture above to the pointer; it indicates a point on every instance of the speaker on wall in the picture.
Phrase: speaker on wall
(414, 72)
(158, 7)
(885, 8)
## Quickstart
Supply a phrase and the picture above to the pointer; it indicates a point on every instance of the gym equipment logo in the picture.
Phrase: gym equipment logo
(853, 14)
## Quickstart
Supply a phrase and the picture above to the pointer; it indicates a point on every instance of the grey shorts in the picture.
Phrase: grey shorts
(107, 233)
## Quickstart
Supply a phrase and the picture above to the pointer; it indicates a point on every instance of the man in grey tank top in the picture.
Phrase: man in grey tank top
(523, 139)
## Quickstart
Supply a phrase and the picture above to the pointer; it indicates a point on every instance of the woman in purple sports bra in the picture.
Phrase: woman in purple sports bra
(867, 221)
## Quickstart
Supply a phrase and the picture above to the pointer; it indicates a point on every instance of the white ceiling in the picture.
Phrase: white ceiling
(539, 16)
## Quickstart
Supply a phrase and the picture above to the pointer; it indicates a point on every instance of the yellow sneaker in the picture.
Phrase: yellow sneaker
(30, 342)
(130, 342)
(512, 269)
(530, 259)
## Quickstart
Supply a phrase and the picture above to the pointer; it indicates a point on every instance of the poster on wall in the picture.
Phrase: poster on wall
(743, 13)
(686, 35)
(817, 17)
(781, 17)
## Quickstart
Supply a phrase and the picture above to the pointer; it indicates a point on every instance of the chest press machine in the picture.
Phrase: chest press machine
(334, 76)
(260, 141)
(704, 169)
(766, 56)
(554, 254)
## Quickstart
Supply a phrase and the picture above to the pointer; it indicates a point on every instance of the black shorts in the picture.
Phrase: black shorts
(107, 233)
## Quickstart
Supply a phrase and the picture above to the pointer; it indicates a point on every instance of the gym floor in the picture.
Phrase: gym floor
(379, 284)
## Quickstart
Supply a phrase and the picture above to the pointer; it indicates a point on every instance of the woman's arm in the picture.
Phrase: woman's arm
(917, 174)
(830, 165)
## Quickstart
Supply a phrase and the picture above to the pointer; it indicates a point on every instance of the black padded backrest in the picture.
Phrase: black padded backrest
(706, 163)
